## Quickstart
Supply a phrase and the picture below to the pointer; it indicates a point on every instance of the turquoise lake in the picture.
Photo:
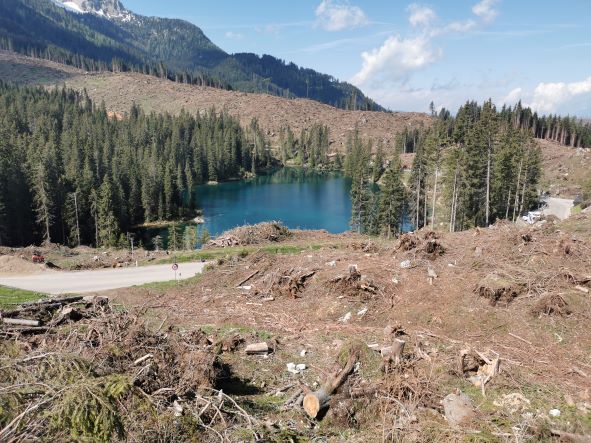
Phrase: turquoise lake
(298, 197)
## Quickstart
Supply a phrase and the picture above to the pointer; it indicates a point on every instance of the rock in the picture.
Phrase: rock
(554, 413)
(295, 369)
(257, 348)
(345, 318)
(513, 403)
(303, 353)
(362, 312)
(177, 408)
(331, 264)
(458, 409)
(406, 264)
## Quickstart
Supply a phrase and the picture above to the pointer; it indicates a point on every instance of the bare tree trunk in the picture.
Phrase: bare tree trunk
(454, 203)
(418, 198)
(425, 204)
(508, 204)
(488, 182)
(521, 205)
(517, 190)
(434, 197)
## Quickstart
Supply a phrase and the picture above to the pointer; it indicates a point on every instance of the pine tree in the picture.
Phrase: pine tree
(391, 200)
(189, 237)
(175, 237)
(43, 200)
(108, 228)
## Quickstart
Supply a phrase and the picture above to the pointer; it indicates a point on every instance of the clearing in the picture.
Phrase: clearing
(499, 314)
(120, 90)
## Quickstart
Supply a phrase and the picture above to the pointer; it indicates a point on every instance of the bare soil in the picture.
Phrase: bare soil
(538, 327)
(565, 169)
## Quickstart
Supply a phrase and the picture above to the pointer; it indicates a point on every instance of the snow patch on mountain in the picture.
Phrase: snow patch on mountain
(110, 9)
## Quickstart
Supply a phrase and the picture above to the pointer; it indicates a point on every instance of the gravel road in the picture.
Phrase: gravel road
(560, 207)
(57, 282)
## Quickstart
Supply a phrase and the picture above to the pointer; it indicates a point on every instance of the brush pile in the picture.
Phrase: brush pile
(83, 371)
(251, 235)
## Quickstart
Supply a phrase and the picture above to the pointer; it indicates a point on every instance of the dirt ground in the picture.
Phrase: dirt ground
(565, 169)
(519, 294)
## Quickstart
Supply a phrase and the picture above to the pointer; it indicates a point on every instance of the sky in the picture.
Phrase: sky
(405, 54)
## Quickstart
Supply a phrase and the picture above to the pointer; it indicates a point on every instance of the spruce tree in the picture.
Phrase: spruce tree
(391, 199)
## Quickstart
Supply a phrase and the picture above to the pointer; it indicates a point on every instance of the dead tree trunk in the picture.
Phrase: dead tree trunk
(317, 401)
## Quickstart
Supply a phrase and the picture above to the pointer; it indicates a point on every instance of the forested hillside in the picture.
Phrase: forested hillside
(63, 160)
(167, 48)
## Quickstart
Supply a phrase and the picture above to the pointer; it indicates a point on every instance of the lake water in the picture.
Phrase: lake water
(300, 198)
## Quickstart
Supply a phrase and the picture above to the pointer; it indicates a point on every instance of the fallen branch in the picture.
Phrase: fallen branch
(20, 322)
(520, 338)
(247, 278)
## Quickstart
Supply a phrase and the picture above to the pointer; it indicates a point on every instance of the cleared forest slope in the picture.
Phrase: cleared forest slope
(120, 90)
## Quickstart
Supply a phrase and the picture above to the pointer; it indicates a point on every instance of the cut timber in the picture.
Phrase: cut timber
(247, 278)
(52, 301)
(317, 401)
(257, 348)
(20, 322)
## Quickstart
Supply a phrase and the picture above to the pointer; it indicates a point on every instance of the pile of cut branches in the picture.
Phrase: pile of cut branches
(273, 231)
(77, 369)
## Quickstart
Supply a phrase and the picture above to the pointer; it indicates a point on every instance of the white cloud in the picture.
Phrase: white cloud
(399, 56)
(548, 97)
(420, 15)
(339, 16)
(395, 59)
(513, 97)
(485, 9)
(234, 35)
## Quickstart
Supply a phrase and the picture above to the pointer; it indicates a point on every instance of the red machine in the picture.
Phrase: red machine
(38, 258)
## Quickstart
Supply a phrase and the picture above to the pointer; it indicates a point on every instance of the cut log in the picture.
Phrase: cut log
(317, 401)
(51, 301)
(143, 359)
(257, 348)
(582, 289)
(247, 278)
(20, 322)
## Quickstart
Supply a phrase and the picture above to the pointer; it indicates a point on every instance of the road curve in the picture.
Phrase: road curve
(560, 207)
(61, 282)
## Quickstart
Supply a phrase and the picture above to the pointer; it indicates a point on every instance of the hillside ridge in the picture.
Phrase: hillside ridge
(120, 90)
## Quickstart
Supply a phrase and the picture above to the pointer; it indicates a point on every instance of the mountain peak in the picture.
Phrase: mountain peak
(107, 8)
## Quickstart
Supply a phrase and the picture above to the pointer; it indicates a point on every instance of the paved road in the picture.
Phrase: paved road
(57, 282)
(560, 207)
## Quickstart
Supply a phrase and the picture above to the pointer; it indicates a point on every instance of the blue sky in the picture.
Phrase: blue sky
(406, 54)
